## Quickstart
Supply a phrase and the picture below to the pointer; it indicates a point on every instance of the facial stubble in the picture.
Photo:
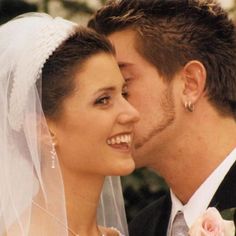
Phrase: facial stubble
(167, 108)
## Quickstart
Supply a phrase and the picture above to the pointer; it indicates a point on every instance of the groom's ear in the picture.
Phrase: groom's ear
(193, 75)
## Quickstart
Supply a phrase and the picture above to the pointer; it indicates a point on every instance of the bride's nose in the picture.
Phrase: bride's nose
(128, 114)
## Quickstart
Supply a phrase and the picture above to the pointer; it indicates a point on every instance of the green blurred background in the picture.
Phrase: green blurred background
(143, 186)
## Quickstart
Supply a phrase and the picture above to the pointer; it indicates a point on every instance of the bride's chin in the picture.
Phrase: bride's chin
(124, 168)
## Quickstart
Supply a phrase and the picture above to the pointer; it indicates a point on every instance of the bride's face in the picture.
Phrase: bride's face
(95, 129)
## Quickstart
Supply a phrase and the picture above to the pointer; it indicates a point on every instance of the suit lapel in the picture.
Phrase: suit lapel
(225, 196)
(163, 217)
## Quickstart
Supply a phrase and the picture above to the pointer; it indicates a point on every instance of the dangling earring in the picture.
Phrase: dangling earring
(53, 149)
(53, 155)
(189, 106)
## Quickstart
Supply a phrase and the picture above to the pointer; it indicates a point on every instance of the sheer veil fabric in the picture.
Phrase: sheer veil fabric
(32, 192)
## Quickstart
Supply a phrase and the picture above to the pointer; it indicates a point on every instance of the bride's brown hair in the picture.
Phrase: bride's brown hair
(59, 70)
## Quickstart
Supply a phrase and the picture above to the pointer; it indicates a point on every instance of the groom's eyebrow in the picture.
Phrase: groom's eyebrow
(124, 64)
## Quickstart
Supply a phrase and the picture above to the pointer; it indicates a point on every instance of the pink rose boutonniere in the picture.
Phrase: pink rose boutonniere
(212, 224)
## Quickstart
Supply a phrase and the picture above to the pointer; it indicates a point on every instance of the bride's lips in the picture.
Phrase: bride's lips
(121, 141)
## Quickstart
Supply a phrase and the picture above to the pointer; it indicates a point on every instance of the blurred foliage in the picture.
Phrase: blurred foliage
(141, 188)
(11, 8)
(75, 7)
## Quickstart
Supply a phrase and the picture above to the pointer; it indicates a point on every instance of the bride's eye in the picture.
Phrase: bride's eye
(103, 100)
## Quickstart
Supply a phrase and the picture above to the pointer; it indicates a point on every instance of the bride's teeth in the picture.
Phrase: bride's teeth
(122, 138)
(126, 138)
(118, 140)
(113, 141)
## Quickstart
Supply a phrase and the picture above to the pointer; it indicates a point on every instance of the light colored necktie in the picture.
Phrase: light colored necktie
(179, 226)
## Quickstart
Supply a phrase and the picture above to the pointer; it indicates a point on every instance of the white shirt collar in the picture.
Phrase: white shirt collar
(200, 200)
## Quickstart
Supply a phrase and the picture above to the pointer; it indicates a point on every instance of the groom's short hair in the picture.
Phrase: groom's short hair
(169, 33)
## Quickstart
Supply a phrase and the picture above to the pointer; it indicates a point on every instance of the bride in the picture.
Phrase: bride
(65, 126)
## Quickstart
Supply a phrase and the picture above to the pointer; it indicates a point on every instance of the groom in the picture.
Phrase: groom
(179, 60)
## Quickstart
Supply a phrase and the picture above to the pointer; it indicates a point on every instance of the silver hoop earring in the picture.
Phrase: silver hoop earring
(189, 106)
(53, 155)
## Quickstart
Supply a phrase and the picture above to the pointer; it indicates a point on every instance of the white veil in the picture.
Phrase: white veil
(31, 191)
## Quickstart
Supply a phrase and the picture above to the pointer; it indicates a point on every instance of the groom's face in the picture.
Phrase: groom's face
(150, 95)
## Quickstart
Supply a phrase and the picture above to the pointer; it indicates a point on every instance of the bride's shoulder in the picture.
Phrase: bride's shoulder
(111, 231)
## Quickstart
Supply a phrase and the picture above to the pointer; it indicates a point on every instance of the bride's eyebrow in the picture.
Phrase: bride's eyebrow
(105, 89)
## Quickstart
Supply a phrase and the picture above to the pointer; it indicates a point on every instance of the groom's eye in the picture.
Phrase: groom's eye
(125, 92)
